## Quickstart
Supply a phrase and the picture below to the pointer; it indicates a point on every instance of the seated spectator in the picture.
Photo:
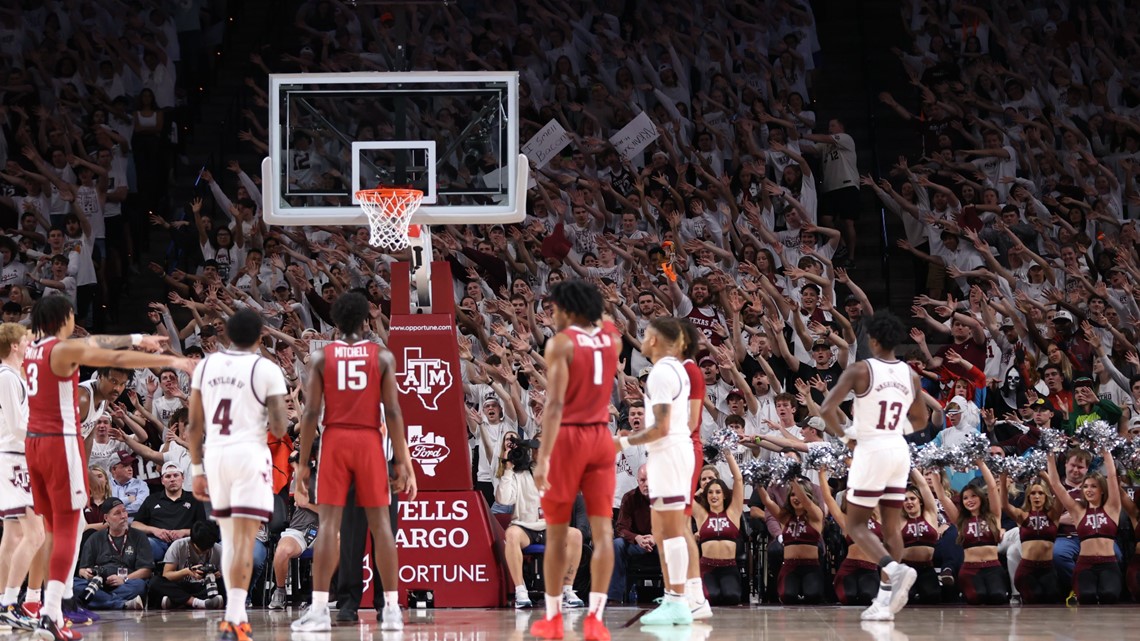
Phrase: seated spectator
(296, 538)
(99, 490)
(516, 487)
(169, 515)
(125, 487)
(114, 566)
(632, 534)
(190, 574)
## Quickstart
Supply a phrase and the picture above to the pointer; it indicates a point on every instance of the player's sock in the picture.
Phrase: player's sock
(553, 606)
(53, 601)
(320, 601)
(199, 604)
(695, 590)
(11, 595)
(677, 558)
(391, 599)
(235, 605)
(32, 596)
(676, 597)
(598, 604)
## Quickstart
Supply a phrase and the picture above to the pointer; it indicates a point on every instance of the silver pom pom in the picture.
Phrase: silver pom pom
(830, 455)
(1096, 436)
(931, 457)
(1054, 441)
(724, 439)
(1023, 469)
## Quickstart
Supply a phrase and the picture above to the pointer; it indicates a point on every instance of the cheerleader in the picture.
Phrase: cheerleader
(857, 579)
(717, 513)
(801, 579)
(981, 579)
(920, 535)
(1035, 578)
(1096, 577)
(1132, 577)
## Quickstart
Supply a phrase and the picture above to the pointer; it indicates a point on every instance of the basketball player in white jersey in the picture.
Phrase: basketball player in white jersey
(885, 388)
(235, 394)
(23, 529)
(671, 461)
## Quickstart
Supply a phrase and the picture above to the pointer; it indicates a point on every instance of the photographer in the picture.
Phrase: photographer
(528, 527)
(190, 575)
(115, 564)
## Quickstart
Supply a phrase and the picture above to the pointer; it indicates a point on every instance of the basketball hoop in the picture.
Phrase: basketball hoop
(389, 213)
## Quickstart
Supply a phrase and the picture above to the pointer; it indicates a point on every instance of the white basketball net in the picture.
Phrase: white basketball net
(389, 211)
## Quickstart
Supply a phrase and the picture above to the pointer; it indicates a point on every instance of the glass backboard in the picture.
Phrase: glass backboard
(453, 135)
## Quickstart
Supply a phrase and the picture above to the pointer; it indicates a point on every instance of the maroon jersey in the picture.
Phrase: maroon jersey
(1038, 527)
(798, 531)
(53, 401)
(1096, 525)
(919, 533)
(352, 385)
(705, 320)
(978, 533)
(696, 391)
(591, 376)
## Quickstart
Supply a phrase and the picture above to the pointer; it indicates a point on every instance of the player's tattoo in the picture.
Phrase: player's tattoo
(108, 341)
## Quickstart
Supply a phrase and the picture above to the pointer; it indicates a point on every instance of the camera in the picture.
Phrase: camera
(208, 568)
(93, 586)
(519, 458)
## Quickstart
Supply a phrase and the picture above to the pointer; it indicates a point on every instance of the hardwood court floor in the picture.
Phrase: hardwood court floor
(770, 623)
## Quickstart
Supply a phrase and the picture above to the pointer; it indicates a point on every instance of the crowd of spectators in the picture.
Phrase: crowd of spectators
(1018, 215)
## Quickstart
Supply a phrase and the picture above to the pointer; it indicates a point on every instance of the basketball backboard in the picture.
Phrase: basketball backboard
(453, 135)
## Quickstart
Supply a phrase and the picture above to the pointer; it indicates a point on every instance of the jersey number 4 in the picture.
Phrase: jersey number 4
(895, 411)
(222, 416)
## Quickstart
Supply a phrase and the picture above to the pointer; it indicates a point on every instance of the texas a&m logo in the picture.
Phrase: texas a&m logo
(427, 378)
(20, 479)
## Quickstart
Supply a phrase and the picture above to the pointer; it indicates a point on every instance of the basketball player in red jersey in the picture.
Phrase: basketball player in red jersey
(353, 378)
(694, 587)
(56, 462)
(581, 361)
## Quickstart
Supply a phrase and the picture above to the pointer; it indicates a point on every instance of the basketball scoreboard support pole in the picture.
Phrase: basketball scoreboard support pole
(420, 246)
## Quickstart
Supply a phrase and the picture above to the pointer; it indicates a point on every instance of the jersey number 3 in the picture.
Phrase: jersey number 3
(895, 410)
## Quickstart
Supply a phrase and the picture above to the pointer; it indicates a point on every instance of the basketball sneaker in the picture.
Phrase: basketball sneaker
(878, 611)
(15, 617)
(313, 620)
(31, 609)
(700, 610)
(277, 601)
(570, 600)
(670, 612)
(902, 579)
(51, 631)
(393, 619)
(548, 628)
(593, 629)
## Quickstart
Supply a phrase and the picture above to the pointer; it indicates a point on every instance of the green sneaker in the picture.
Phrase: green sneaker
(669, 613)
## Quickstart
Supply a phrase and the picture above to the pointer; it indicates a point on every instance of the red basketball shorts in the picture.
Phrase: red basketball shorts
(583, 460)
(57, 473)
(350, 456)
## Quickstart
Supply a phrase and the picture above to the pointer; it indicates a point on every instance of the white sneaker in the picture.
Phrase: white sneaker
(277, 600)
(570, 600)
(313, 620)
(877, 612)
(902, 579)
(393, 619)
(700, 610)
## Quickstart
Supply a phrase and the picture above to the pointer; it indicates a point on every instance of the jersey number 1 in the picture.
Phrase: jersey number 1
(896, 413)
(597, 367)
